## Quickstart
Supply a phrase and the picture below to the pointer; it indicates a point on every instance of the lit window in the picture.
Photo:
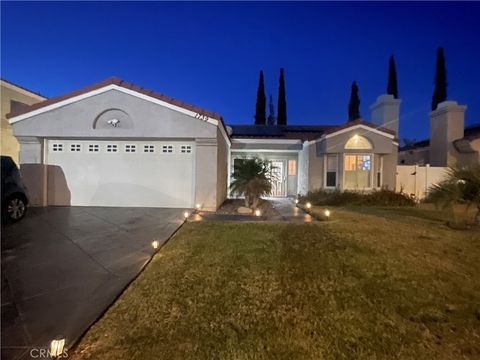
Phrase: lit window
(75, 147)
(357, 171)
(57, 147)
(167, 148)
(357, 142)
(93, 148)
(331, 169)
(130, 148)
(292, 167)
(112, 148)
(186, 149)
(149, 148)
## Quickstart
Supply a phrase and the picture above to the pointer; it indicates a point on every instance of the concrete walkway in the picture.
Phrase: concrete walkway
(63, 267)
(285, 207)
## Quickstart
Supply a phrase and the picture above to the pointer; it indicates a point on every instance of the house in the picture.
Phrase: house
(13, 95)
(117, 144)
(450, 142)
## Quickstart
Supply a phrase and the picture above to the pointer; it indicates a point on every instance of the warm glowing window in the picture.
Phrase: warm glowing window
(357, 171)
(292, 167)
(357, 142)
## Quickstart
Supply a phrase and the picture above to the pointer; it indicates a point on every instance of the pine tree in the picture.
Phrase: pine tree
(354, 105)
(271, 112)
(440, 92)
(392, 86)
(260, 117)
(282, 102)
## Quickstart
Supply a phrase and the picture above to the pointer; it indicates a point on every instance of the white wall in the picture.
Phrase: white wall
(414, 179)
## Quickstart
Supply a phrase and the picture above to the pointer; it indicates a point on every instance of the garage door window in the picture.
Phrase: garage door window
(93, 148)
(112, 148)
(149, 148)
(167, 149)
(57, 147)
(75, 147)
(130, 148)
(186, 149)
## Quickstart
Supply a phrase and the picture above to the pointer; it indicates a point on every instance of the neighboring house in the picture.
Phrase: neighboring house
(12, 95)
(117, 144)
(450, 143)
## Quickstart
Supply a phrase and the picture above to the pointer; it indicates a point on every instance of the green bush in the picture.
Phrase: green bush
(381, 197)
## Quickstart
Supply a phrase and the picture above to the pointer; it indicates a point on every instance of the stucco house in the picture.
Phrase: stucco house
(450, 142)
(12, 94)
(117, 144)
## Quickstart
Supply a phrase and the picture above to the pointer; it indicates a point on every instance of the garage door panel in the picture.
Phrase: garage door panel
(121, 173)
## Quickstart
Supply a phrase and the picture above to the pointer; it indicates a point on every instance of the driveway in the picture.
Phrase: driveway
(63, 266)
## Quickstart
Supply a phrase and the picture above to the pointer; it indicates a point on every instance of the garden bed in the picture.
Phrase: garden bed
(230, 206)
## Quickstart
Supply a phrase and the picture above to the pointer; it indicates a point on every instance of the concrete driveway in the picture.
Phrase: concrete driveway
(62, 268)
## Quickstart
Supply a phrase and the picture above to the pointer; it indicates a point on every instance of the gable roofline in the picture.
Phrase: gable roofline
(106, 85)
(22, 89)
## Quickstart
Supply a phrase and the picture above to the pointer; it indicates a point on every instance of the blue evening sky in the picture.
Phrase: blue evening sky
(209, 54)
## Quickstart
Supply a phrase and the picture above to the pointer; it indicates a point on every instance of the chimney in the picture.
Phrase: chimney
(386, 112)
(447, 124)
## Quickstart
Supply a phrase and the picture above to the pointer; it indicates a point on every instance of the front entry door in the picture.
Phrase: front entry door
(278, 181)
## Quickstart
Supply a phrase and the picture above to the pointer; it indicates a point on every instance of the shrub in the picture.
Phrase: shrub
(381, 197)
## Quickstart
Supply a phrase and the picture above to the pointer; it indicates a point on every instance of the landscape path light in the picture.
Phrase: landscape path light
(308, 205)
(155, 244)
(258, 212)
(327, 213)
(186, 214)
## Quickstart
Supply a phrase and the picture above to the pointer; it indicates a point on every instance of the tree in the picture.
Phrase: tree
(251, 178)
(260, 117)
(462, 185)
(271, 112)
(282, 101)
(392, 86)
(354, 105)
(440, 92)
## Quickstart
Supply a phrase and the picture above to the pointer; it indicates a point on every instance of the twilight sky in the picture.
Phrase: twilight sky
(209, 54)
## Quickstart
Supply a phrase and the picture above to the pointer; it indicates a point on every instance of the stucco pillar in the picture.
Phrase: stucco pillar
(206, 174)
(33, 169)
(447, 124)
(385, 112)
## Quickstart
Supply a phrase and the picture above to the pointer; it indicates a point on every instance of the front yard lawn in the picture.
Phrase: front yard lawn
(368, 284)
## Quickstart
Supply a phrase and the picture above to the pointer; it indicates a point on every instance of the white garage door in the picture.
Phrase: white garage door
(121, 173)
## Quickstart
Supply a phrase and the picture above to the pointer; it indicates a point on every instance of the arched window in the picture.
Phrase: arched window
(357, 142)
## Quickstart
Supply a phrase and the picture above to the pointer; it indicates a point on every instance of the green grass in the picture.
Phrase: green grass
(368, 284)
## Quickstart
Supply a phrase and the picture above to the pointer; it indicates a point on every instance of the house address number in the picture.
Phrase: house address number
(201, 117)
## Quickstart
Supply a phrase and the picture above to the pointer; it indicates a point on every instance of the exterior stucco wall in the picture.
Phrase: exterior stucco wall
(142, 119)
(390, 169)
(8, 143)
(336, 144)
(222, 168)
(315, 167)
(206, 174)
(139, 119)
(303, 160)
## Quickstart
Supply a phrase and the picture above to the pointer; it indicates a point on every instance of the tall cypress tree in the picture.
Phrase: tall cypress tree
(271, 112)
(282, 101)
(260, 117)
(354, 105)
(392, 86)
(440, 92)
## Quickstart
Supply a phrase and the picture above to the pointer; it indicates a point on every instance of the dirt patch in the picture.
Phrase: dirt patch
(230, 207)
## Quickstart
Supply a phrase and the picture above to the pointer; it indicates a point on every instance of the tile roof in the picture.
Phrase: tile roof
(23, 88)
(301, 132)
(124, 84)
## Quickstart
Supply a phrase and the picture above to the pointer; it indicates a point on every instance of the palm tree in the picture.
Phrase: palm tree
(251, 178)
(462, 185)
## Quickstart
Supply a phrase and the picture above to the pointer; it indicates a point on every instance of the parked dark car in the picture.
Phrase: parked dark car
(14, 192)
